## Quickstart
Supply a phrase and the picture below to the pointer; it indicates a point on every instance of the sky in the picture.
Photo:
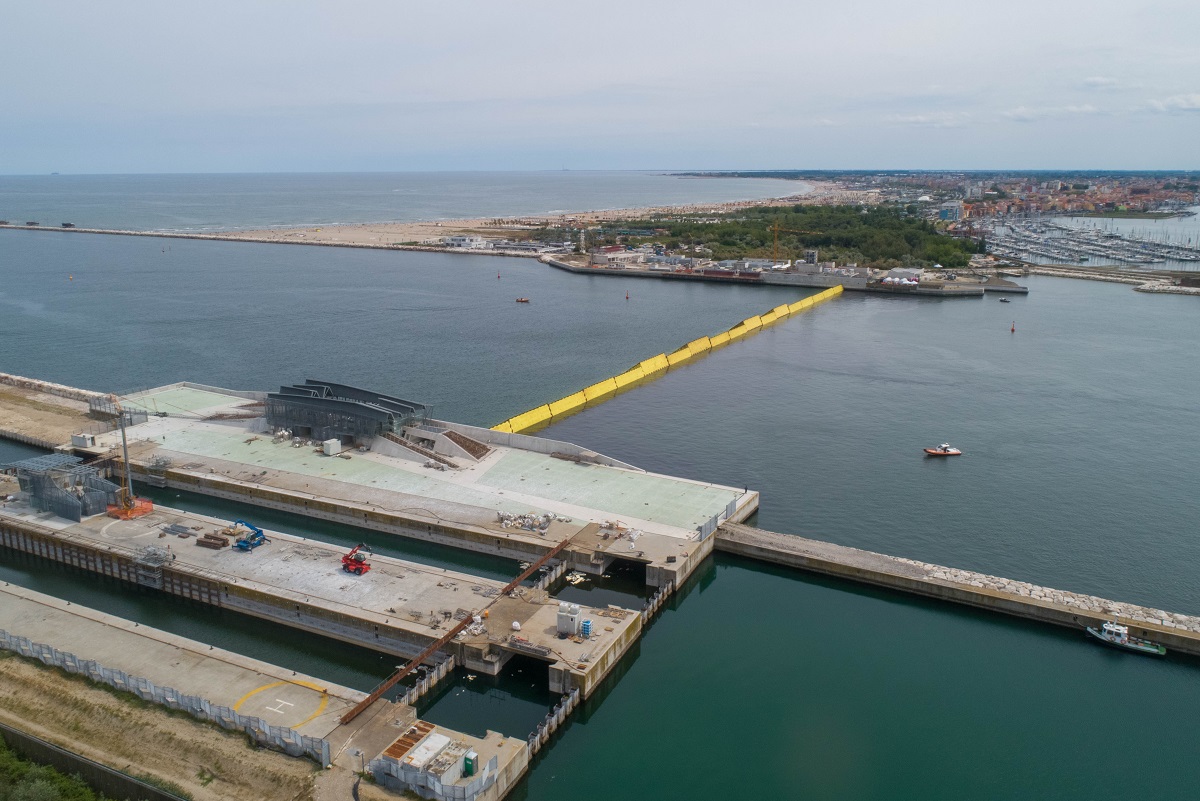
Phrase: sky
(144, 87)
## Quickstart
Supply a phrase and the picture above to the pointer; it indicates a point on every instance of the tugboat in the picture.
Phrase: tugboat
(1117, 636)
(943, 450)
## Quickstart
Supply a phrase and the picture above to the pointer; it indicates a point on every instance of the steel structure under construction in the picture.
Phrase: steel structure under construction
(323, 410)
(61, 484)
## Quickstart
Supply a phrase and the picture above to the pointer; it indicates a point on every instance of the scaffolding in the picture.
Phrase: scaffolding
(62, 484)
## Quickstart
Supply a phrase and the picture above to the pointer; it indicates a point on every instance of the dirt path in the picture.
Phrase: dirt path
(139, 738)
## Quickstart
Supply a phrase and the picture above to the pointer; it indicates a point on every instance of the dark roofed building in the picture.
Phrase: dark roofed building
(324, 410)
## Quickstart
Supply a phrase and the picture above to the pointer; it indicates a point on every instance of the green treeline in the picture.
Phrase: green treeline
(880, 236)
(21, 780)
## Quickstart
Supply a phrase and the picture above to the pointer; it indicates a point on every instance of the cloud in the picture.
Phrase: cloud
(1099, 82)
(1189, 102)
(1026, 114)
(936, 119)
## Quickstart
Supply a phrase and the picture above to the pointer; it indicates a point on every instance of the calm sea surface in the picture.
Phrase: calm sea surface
(1082, 438)
(197, 203)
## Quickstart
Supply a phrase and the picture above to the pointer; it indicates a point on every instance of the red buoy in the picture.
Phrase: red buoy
(1014, 327)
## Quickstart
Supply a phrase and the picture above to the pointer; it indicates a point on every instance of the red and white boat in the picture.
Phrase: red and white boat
(943, 450)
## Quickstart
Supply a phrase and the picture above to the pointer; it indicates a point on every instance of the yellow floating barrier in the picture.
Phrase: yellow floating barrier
(658, 364)
(654, 365)
(600, 390)
(679, 357)
(531, 418)
(629, 377)
(567, 404)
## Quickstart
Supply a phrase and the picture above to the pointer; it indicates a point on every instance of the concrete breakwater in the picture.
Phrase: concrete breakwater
(262, 240)
(655, 366)
(1022, 599)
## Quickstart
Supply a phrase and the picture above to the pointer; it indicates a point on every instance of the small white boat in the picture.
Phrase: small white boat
(1117, 636)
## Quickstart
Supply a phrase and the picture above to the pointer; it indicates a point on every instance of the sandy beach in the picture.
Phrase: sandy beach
(428, 233)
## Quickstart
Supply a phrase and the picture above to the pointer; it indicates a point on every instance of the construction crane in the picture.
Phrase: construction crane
(127, 505)
(776, 229)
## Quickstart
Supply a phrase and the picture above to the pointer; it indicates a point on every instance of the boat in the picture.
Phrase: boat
(943, 450)
(522, 300)
(1005, 300)
(1117, 636)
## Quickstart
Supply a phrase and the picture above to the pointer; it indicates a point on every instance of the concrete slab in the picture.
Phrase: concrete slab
(306, 704)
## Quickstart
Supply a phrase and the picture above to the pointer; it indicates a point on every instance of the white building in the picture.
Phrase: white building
(469, 242)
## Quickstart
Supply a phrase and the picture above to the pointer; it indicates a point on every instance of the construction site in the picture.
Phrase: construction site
(370, 461)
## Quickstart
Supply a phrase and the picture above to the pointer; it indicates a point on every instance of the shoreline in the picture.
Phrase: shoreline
(414, 235)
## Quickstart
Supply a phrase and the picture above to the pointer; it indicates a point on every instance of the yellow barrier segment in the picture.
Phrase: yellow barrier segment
(679, 357)
(567, 404)
(531, 418)
(628, 377)
(657, 364)
(600, 390)
(654, 365)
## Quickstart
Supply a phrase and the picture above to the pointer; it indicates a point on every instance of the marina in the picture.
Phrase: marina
(1051, 241)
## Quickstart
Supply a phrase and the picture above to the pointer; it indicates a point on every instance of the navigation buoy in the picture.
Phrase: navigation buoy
(1013, 330)
(627, 294)
(70, 278)
(497, 276)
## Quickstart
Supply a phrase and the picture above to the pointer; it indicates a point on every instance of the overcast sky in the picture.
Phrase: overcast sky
(741, 84)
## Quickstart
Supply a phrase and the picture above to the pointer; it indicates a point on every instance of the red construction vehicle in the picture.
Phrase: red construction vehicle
(356, 561)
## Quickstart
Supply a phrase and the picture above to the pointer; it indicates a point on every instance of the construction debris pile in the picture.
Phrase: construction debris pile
(530, 521)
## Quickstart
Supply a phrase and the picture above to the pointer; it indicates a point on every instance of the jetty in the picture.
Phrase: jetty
(1021, 599)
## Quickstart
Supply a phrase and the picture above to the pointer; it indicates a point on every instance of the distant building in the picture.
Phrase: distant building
(951, 210)
(468, 242)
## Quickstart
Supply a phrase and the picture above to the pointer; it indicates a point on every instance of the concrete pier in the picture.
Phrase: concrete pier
(278, 707)
(398, 607)
(1075, 610)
